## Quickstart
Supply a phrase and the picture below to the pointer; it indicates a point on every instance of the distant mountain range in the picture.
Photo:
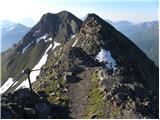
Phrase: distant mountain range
(144, 35)
(11, 33)
(78, 69)
(29, 22)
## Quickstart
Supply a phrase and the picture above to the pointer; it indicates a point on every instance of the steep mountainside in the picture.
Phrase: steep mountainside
(104, 75)
(144, 35)
(52, 29)
(98, 73)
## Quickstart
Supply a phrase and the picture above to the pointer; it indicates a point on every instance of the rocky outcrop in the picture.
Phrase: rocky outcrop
(26, 105)
(51, 28)
(125, 82)
(132, 99)
(129, 89)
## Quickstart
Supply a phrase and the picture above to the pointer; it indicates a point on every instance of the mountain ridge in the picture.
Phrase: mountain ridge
(144, 35)
(121, 82)
(36, 34)
(79, 56)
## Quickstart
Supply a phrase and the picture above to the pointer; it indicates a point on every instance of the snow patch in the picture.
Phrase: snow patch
(55, 45)
(47, 40)
(12, 27)
(72, 36)
(74, 43)
(43, 37)
(6, 85)
(106, 57)
(25, 48)
(24, 84)
(34, 74)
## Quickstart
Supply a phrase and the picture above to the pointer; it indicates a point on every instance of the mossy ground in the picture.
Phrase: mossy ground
(96, 104)
(51, 87)
(115, 112)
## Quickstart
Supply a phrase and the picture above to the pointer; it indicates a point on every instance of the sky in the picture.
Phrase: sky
(115, 10)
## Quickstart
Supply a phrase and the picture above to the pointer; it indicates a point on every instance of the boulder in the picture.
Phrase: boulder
(52, 94)
(18, 110)
(106, 85)
(7, 113)
(21, 106)
(42, 96)
(59, 86)
(29, 113)
(93, 116)
(104, 73)
(140, 92)
(23, 96)
(69, 77)
(11, 111)
(120, 98)
(43, 110)
(127, 114)
(8, 97)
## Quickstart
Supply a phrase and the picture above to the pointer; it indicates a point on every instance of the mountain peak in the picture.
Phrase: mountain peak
(61, 13)
(98, 62)
(64, 12)
(93, 23)
(93, 17)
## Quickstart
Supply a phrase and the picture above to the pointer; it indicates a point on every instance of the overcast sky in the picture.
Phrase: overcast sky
(115, 10)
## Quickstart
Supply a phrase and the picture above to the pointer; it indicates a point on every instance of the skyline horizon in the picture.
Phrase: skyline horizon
(132, 10)
(82, 18)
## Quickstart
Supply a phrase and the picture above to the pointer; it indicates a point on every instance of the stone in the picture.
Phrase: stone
(22, 96)
(131, 86)
(43, 110)
(18, 110)
(29, 113)
(140, 92)
(69, 77)
(105, 85)
(93, 116)
(42, 95)
(146, 103)
(11, 111)
(128, 114)
(65, 90)
(121, 96)
(8, 97)
(103, 73)
(52, 94)
(7, 113)
(59, 86)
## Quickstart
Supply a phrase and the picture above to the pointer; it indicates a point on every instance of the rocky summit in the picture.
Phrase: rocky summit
(97, 73)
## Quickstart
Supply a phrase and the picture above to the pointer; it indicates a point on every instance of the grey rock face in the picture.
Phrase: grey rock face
(43, 110)
(106, 85)
(24, 108)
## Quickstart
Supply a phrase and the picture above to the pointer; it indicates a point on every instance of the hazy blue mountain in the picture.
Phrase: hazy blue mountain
(122, 24)
(144, 35)
(11, 33)
(29, 22)
(6, 24)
